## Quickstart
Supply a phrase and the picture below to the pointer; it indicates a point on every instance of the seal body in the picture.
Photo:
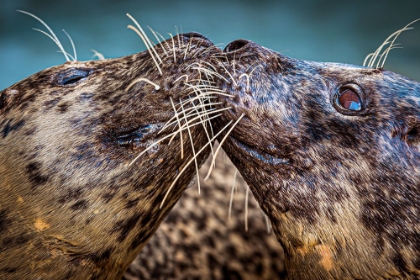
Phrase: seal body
(331, 153)
(74, 203)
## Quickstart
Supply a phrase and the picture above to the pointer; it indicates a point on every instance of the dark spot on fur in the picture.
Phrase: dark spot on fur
(81, 204)
(9, 270)
(4, 221)
(126, 226)
(34, 173)
(10, 127)
(72, 194)
(51, 103)
(2, 100)
(101, 257)
(62, 108)
(399, 262)
(132, 203)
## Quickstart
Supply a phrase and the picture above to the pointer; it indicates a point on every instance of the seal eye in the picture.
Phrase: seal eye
(133, 139)
(72, 76)
(350, 100)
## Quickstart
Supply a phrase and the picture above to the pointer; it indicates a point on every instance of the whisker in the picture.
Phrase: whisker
(231, 194)
(220, 145)
(194, 154)
(147, 47)
(246, 207)
(189, 162)
(157, 39)
(72, 45)
(53, 37)
(98, 55)
(179, 125)
(157, 87)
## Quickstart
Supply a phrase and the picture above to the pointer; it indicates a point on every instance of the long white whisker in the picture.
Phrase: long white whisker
(157, 87)
(194, 154)
(220, 145)
(231, 193)
(246, 207)
(189, 162)
(72, 45)
(52, 36)
(147, 47)
(179, 125)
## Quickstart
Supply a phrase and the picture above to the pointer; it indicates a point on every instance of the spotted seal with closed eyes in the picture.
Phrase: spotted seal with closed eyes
(78, 201)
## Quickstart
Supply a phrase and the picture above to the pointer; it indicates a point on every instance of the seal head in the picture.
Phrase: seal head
(331, 152)
(75, 202)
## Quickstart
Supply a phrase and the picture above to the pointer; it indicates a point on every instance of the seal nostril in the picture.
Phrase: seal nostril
(235, 45)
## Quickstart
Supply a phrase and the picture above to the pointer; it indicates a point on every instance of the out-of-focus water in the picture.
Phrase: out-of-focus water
(338, 31)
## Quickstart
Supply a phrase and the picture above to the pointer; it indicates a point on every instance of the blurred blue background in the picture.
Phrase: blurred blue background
(338, 31)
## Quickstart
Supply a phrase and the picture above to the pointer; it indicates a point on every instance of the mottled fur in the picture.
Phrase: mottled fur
(341, 188)
(198, 241)
(71, 205)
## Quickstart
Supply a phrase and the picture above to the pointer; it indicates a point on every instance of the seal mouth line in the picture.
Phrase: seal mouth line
(258, 154)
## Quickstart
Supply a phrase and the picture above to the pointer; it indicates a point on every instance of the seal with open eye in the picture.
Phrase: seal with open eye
(332, 154)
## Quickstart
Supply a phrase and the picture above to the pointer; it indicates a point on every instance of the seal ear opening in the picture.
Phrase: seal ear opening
(411, 135)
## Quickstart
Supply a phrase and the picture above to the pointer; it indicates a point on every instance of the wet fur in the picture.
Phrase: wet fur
(72, 206)
(341, 189)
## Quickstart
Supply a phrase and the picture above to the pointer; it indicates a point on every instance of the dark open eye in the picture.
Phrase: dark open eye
(72, 76)
(350, 100)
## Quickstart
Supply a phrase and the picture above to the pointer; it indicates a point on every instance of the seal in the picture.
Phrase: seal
(331, 152)
(78, 200)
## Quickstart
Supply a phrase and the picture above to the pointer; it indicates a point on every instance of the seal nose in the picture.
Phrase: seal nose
(236, 45)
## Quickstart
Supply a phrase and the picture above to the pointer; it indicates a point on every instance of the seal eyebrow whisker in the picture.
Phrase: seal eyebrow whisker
(397, 33)
(220, 145)
(157, 87)
(179, 125)
(177, 36)
(52, 35)
(189, 162)
(389, 40)
(385, 53)
(147, 46)
(159, 41)
(193, 150)
(97, 54)
(173, 46)
(187, 49)
(72, 45)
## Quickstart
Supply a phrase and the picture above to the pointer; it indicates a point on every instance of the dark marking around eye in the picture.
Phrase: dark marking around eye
(350, 100)
(72, 76)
